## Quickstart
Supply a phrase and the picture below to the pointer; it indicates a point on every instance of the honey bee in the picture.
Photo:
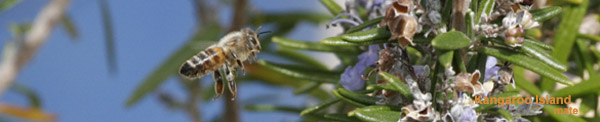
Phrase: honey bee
(392, 60)
(505, 77)
(224, 57)
(389, 58)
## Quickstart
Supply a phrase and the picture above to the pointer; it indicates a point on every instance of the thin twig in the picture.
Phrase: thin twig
(239, 19)
(232, 107)
(205, 13)
(192, 103)
(458, 14)
(40, 30)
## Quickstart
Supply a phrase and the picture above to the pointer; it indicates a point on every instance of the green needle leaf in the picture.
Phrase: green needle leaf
(544, 14)
(542, 55)
(346, 99)
(272, 77)
(526, 62)
(285, 22)
(446, 59)
(469, 23)
(360, 98)
(549, 108)
(397, 83)
(333, 7)
(69, 26)
(381, 86)
(539, 44)
(264, 107)
(521, 82)
(109, 36)
(378, 116)
(564, 39)
(594, 52)
(485, 7)
(303, 74)
(531, 48)
(370, 108)
(590, 37)
(375, 34)
(369, 114)
(568, 30)
(451, 40)
(586, 57)
(7, 4)
(32, 96)
(341, 118)
(320, 106)
(506, 114)
(170, 66)
(535, 33)
(300, 58)
(295, 44)
(367, 24)
(338, 41)
(582, 88)
(307, 88)
(458, 62)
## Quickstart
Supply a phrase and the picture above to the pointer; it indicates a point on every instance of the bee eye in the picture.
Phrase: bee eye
(253, 40)
(527, 2)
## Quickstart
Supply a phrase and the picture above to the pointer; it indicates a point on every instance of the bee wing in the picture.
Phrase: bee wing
(201, 45)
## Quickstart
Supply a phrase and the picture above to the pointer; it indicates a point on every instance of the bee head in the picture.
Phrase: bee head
(260, 33)
(253, 37)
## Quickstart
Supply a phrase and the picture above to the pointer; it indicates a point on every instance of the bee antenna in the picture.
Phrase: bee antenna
(258, 29)
(368, 75)
(264, 32)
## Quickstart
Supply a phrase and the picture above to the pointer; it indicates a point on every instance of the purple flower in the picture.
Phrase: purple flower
(491, 70)
(421, 70)
(353, 20)
(351, 79)
(370, 57)
(339, 21)
(468, 115)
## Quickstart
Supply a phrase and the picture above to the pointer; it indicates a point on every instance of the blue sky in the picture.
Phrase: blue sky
(72, 78)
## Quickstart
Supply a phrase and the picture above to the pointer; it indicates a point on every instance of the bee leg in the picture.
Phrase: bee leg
(218, 84)
(254, 56)
(239, 62)
(232, 85)
(251, 57)
(253, 52)
(369, 75)
(241, 66)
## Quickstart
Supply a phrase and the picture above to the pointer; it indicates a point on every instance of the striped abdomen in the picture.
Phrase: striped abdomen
(203, 63)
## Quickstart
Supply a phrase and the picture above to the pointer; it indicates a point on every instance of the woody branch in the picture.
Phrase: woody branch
(23, 50)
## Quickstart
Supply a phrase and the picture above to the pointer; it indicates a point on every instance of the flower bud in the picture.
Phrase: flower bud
(527, 21)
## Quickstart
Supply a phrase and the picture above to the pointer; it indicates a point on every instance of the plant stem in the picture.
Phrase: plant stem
(231, 112)
(25, 49)
(192, 104)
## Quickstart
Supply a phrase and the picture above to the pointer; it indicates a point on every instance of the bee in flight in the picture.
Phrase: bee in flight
(224, 57)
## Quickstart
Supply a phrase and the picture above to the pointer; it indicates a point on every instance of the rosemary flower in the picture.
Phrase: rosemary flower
(491, 70)
(351, 79)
